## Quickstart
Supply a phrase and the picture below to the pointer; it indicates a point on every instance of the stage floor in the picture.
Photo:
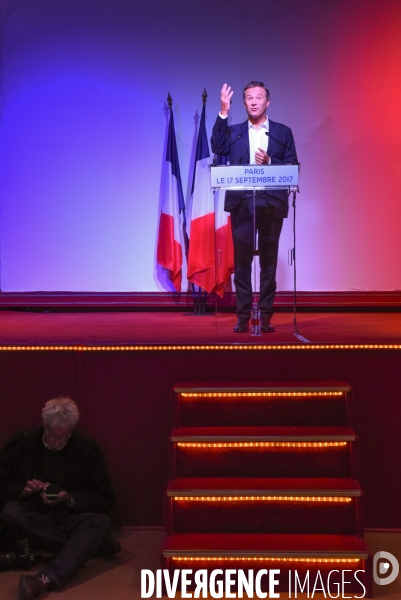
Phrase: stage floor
(172, 328)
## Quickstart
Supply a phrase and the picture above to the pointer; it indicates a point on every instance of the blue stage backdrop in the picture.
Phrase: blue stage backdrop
(83, 90)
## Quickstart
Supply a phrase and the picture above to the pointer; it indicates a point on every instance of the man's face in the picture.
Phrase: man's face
(256, 103)
(56, 437)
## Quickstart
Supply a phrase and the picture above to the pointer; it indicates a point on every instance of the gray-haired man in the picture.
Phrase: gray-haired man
(55, 489)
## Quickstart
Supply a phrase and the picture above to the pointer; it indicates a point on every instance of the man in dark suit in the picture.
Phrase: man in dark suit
(258, 141)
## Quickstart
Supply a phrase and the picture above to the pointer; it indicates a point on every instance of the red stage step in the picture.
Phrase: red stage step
(288, 553)
(255, 404)
(263, 452)
(263, 476)
(252, 505)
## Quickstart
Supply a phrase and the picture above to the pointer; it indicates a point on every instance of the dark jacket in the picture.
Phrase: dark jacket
(80, 466)
(232, 141)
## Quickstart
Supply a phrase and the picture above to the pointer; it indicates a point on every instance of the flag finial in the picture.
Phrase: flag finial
(169, 101)
(204, 97)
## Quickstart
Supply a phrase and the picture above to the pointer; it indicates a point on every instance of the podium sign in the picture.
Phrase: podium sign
(254, 177)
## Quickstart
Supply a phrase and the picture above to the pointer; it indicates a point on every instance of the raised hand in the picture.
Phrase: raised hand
(225, 97)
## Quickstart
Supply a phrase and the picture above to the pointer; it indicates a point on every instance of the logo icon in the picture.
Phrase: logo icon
(387, 564)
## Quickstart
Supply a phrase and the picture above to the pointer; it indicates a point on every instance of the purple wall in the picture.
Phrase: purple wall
(84, 84)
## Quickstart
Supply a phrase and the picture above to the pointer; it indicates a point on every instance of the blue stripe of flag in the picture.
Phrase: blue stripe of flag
(172, 156)
(202, 145)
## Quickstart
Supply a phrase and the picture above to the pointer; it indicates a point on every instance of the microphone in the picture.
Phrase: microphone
(236, 140)
(295, 161)
(225, 148)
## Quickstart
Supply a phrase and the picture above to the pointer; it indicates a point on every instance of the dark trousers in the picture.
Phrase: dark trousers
(269, 228)
(73, 538)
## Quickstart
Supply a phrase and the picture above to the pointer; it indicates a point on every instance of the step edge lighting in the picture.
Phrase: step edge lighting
(253, 492)
(261, 394)
(263, 496)
(262, 557)
(262, 440)
(240, 390)
(199, 347)
(362, 554)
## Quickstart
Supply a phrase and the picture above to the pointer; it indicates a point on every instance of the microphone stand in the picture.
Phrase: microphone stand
(292, 261)
(255, 310)
(297, 333)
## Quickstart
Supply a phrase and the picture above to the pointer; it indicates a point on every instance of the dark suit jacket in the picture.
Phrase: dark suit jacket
(238, 154)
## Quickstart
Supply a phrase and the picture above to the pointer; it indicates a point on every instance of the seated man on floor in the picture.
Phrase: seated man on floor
(55, 490)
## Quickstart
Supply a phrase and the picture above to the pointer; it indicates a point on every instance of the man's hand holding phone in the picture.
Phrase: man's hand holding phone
(52, 495)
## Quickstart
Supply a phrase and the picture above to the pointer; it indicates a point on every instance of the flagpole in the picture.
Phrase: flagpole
(182, 209)
(170, 238)
(202, 299)
(184, 219)
(200, 295)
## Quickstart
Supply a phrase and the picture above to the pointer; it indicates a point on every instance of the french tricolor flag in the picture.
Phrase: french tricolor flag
(211, 251)
(202, 250)
(224, 244)
(169, 242)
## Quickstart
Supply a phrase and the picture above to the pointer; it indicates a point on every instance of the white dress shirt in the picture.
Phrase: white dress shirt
(257, 139)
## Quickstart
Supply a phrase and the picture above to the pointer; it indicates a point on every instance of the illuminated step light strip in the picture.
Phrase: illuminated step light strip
(258, 394)
(262, 444)
(341, 499)
(263, 559)
(131, 348)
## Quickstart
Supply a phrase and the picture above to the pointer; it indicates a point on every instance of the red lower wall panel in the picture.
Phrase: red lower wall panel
(263, 517)
(253, 462)
(125, 403)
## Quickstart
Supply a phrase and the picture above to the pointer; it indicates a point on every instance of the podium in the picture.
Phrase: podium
(260, 177)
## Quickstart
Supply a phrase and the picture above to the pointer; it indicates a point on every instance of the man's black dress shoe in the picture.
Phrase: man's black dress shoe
(266, 327)
(30, 587)
(242, 326)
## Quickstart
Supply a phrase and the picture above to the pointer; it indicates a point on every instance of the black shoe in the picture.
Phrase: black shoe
(242, 326)
(109, 547)
(266, 327)
(30, 587)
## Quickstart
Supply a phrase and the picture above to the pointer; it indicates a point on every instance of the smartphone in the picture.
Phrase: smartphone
(51, 492)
